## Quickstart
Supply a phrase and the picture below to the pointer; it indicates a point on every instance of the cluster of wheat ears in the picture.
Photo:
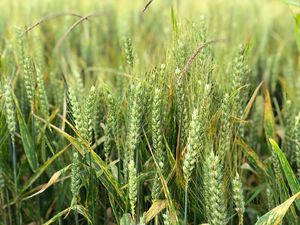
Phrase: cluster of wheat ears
(181, 113)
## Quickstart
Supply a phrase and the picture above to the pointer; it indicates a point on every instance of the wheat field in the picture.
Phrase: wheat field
(150, 112)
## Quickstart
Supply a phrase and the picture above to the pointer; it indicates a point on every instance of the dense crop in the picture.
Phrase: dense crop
(185, 113)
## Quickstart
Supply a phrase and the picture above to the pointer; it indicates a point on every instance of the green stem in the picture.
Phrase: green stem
(9, 209)
(76, 217)
(92, 189)
(76, 214)
(137, 186)
(186, 203)
(14, 162)
(33, 135)
(105, 207)
(156, 220)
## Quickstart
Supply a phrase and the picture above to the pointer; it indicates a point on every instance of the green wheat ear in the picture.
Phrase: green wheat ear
(240, 71)
(183, 109)
(132, 187)
(157, 140)
(194, 146)
(75, 108)
(270, 197)
(99, 112)
(225, 127)
(78, 80)
(128, 51)
(196, 138)
(75, 179)
(44, 104)
(10, 111)
(216, 210)
(88, 114)
(135, 115)
(157, 136)
(166, 218)
(26, 68)
(156, 186)
(80, 121)
(204, 56)
(29, 80)
(238, 197)
(111, 126)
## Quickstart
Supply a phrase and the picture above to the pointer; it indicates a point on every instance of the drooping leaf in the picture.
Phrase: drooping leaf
(78, 208)
(42, 169)
(83, 211)
(57, 216)
(253, 158)
(155, 209)
(52, 181)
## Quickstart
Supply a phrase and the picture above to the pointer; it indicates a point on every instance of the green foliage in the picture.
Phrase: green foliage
(187, 113)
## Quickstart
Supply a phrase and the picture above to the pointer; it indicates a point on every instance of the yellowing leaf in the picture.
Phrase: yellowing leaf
(155, 209)
(251, 102)
(269, 121)
(52, 181)
(275, 216)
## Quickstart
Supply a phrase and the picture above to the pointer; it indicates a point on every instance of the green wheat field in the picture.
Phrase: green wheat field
(135, 112)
